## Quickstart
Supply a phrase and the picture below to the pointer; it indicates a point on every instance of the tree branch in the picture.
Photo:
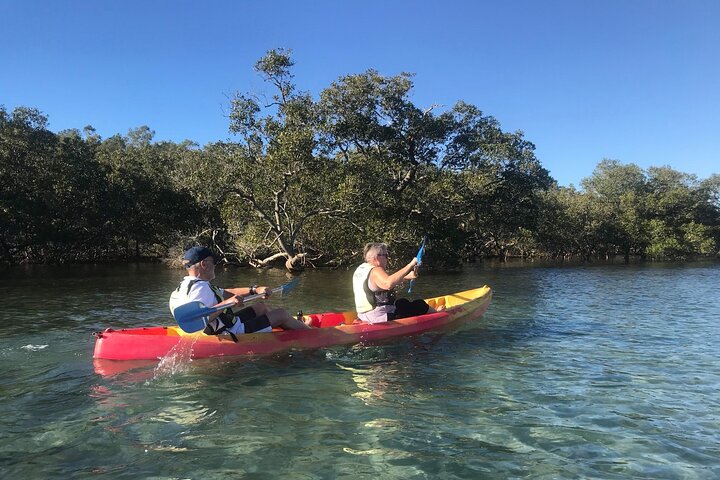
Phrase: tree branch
(253, 203)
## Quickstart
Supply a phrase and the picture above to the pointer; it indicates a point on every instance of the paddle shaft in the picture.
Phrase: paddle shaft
(250, 298)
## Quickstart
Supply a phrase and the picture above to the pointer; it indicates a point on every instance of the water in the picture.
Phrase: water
(574, 372)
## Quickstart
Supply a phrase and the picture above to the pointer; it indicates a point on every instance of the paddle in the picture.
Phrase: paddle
(192, 316)
(419, 256)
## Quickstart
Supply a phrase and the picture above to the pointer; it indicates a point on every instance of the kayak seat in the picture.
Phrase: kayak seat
(314, 320)
(332, 319)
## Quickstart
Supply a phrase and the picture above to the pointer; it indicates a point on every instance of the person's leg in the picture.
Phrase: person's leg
(404, 308)
(282, 318)
(420, 307)
(252, 322)
(260, 309)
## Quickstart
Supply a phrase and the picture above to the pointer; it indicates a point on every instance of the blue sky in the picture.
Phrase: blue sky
(633, 80)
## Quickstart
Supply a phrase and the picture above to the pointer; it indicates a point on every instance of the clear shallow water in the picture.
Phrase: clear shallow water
(574, 372)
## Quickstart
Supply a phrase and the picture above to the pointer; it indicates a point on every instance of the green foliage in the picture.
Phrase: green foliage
(307, 182)
(275, 181)
(663, 241)
(52, 191)
(661, 213)
(698, 239)
(69, 198)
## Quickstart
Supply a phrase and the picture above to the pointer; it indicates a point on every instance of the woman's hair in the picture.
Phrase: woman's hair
(371, 251)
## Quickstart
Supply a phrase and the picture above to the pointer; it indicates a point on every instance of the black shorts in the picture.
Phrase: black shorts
(252, 322)
(404, 308)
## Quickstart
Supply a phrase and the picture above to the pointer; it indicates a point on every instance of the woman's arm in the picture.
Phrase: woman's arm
(386, 282)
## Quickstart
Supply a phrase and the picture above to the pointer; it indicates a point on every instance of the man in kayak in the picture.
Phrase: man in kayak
(374, 288)
(200, 265)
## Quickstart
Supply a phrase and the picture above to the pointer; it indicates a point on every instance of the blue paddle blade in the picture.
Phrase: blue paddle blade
(283, 289)
(192, 326)
(421, 252)
(192, 316)
(419, 256)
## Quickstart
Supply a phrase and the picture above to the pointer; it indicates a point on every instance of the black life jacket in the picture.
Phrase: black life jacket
(384, 297)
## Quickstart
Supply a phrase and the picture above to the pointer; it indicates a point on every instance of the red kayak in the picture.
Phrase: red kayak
(153, 343)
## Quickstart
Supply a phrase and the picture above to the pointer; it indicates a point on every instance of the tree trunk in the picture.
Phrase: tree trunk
(295, 264)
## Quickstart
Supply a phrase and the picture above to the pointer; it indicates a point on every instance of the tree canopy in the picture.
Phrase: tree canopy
(305, 181)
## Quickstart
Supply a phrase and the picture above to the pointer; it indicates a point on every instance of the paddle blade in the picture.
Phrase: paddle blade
(419, 256)
(285, 288)
(421, 252)
(191, 316)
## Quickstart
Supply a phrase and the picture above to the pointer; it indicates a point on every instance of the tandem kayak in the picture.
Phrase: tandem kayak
(341, 328)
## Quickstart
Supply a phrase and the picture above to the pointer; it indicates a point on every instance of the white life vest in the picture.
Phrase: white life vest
(364, 297)
(221, 323)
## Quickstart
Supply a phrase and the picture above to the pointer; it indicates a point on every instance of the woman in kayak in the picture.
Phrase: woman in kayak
(374, 288)
(196, 286)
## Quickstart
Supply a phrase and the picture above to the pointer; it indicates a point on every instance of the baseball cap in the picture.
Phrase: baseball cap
(195, 255)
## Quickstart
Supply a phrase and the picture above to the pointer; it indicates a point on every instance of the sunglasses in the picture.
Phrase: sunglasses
(211, 259)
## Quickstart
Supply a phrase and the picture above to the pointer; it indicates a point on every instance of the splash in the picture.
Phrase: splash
(34, 348)
(178, 359)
